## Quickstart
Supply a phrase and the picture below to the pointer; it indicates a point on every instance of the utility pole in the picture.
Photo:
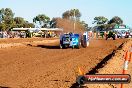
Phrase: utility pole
(74, 21)
(0, 18)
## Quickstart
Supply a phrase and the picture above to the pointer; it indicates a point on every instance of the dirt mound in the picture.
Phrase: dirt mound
(68, 25)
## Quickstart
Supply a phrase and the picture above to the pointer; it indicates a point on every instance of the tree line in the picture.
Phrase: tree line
(8, 21)
(104, 24)
(101, 22)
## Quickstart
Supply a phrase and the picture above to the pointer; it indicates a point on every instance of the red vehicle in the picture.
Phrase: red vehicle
(127, 35)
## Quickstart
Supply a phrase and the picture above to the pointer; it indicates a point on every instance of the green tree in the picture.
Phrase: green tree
(31, 25)
(100, 20)
(69, 14)
(6, 18)
(66, 15)
(76, 13)
(1, 15)
(53, 23)
(2, 27)
(42, 19)
(84, 24)
(116, 20)
(19, 20)
(26, 24)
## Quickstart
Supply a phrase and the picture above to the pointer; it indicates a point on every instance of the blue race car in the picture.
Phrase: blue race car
(70, 40)
(75, 41)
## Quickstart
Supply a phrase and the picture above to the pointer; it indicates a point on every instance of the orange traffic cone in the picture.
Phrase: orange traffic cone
(127, 58)
(80, 71)
(127, 55)
(126, 62)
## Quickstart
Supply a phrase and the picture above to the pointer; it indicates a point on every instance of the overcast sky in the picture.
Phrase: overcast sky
(88, 8)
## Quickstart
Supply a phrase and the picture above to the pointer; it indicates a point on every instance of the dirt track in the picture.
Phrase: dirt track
(45, 66)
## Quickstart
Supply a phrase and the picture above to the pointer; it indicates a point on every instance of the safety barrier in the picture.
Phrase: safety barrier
(127, 57)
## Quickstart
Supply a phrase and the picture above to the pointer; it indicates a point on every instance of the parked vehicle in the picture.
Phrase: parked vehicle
(131, 34)
(110, 34)
(101, 33)
(22, 35)
(127, 34)
(123, 34)
(1, 35)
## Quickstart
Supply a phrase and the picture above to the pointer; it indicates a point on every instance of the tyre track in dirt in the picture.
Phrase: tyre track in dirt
(43, 67)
